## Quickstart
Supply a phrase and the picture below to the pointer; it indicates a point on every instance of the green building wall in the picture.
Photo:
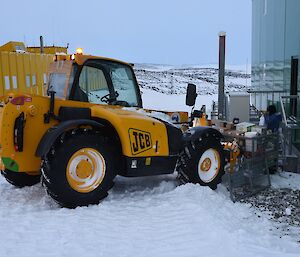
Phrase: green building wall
(275, 39)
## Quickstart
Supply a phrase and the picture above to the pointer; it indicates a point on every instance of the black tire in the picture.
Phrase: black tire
(54, 170)
(20, 179)
(188, 163)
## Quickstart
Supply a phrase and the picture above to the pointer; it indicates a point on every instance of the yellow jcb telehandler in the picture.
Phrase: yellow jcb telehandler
(87, 131)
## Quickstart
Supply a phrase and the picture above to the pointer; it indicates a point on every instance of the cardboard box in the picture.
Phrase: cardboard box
(259, 129)
(244, 127)
(229, 125)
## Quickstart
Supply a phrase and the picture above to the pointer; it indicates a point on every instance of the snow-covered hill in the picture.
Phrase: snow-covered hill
(173, 79)
(163, 87)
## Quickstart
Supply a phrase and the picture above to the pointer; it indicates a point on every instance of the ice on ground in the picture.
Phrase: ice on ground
(286, 180)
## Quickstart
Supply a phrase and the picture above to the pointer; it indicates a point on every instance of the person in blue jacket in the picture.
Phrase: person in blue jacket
(272, 121)
(272, 118)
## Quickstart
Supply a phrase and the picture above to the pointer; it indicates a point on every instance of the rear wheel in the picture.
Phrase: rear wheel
(80, 171)
(20, 179)
(202, 162)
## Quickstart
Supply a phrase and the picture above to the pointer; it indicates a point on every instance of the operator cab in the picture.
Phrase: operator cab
(96, 80)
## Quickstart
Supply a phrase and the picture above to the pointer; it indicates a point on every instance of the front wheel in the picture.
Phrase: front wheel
(80, 171)
(202, 162)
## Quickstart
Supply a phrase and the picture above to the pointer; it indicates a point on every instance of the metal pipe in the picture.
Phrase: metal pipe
(221, 96)
(41, 44)
(294, 84)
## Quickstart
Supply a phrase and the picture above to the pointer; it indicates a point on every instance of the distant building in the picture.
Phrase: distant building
(275, 39)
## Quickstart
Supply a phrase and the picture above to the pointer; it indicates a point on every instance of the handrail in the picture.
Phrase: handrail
(258, 96)
(290, 96)
(283, 109)
(266, 91)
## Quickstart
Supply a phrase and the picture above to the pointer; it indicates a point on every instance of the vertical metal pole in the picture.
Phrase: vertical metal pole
(41, 44)
(221, 96)
(294, 85)
(290, 141)
(283, 111)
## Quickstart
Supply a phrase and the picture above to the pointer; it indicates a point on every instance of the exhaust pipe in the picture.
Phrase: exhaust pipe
(221, 95)
(41, 44)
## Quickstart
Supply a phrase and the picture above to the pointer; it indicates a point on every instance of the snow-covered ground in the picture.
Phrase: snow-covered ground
(286, 180)
(160, 101)
(141, 217)
(152, 216)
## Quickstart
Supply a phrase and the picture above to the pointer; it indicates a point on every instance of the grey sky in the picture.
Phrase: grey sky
(165, 31)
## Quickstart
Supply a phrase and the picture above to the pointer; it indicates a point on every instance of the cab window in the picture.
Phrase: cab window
(124, 84)
(57, 83)
(61, 76)
(92, 85)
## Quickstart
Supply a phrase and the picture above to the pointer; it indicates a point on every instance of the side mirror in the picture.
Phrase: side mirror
(191, 95)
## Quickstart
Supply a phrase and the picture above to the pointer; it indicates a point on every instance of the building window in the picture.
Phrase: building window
(14, 80)
(27, 80)
(7, 84)
(45, 78)
(33, 80)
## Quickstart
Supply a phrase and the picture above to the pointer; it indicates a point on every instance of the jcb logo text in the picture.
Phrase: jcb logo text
(140, 141)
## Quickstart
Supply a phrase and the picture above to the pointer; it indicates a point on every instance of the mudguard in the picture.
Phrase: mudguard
(53, 133)
(195, 133)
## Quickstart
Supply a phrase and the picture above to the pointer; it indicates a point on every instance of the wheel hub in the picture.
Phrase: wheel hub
(86, 169)
(206, 164)
(209, 165)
